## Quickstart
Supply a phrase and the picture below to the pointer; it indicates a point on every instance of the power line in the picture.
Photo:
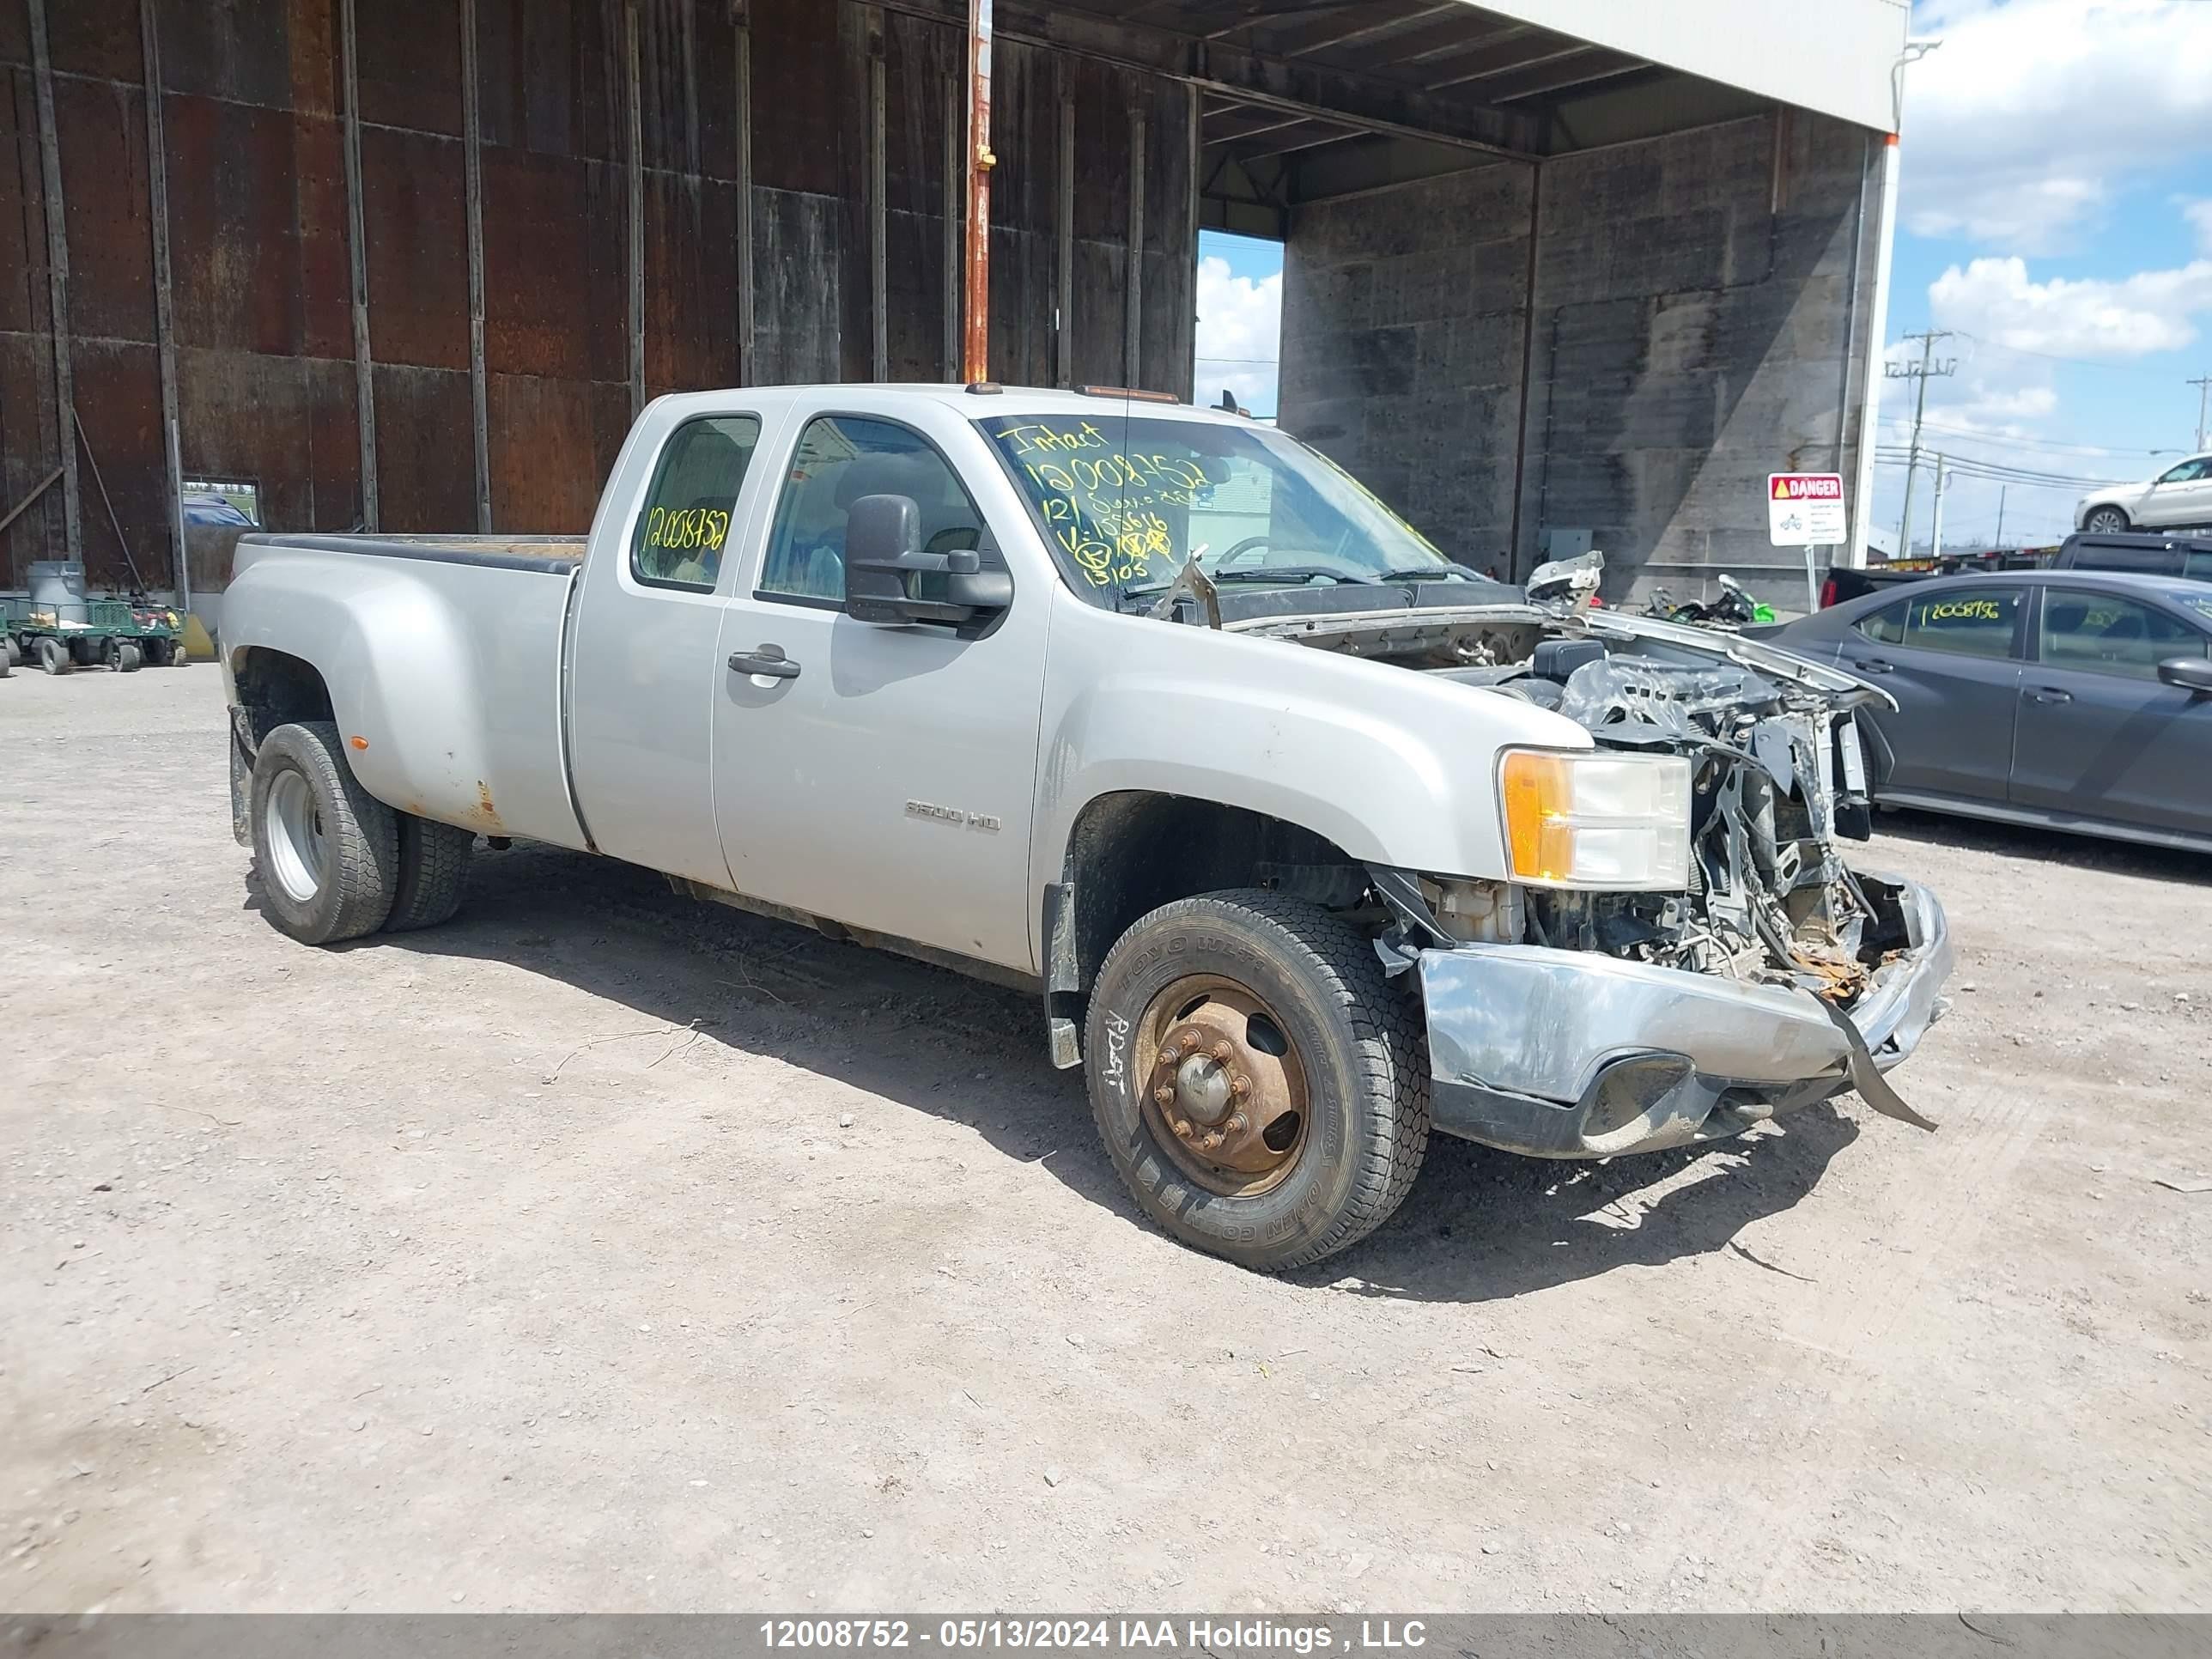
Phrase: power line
(2059, 357)
(2022, 442)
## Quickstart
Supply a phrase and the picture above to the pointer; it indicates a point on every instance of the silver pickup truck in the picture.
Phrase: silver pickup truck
(1308, 841)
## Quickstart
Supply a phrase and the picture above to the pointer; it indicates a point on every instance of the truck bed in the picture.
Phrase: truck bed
(554, 555)
(463, 725)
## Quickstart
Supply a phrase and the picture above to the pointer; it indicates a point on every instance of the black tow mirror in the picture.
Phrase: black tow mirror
(885, 569)
(2189, 673)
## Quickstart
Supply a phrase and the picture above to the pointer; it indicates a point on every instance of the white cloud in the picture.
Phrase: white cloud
(2198, 212)
(1239, 334)
(1996, 299)
(2034, 115)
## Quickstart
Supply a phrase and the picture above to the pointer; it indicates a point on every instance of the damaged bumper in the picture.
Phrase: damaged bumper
(1573, 1054)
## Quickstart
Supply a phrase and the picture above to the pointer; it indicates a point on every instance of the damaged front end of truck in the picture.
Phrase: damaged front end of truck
(1683, 951)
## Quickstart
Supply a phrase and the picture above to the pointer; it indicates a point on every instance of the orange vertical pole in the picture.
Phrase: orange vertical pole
(976, 341)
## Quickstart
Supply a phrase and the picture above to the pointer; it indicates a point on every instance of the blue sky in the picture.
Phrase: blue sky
(2056, 212)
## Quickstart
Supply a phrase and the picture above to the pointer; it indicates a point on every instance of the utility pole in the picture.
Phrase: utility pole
(2204, 385)
(1926, 369)
(2002, 491)
(1943, 483)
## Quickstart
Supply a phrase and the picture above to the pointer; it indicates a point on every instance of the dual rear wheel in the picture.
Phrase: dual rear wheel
(335, 862)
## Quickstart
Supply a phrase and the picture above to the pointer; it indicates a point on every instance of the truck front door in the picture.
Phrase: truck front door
(879, 776)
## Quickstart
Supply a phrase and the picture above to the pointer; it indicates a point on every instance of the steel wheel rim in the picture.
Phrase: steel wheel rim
(1235, 1123)
(298, 846)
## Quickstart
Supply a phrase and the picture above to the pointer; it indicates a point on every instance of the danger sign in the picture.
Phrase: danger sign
(1805, 509)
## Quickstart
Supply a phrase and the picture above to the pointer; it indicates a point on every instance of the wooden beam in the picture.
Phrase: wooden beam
(49, 174)
(165, 320)
(473, 173)
(364, 377)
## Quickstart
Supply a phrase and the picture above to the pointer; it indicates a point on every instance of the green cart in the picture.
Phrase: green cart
(118, 634)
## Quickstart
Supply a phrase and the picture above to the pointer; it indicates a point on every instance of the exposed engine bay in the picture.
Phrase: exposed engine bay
(1779, 777)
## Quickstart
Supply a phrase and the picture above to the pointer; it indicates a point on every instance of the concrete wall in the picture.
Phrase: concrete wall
(1403, 316)
(1687, 335)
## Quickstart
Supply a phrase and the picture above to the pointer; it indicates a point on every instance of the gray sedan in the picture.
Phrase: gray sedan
(2068, 699)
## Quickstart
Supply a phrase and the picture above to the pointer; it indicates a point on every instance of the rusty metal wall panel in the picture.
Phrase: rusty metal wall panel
(93, 37)
(119, 398)
(548, 76)
(28, 452)
(415, 214)
(797, 256)
(425, 425)
(1025, 123)
(920, 59)
(411, 64)
(233, 235)
(101, 129)
(243, 51)
(23, 300)
(545, 464)
(1169, 325)
(285, 422)
(325, 273)
(553, 271)
(690, 284)
(800, 139)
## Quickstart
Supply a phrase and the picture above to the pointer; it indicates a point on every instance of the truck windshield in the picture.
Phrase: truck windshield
(1126, 501)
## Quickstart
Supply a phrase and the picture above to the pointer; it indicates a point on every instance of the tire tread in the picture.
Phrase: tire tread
(434, 869)
(1388, 1037)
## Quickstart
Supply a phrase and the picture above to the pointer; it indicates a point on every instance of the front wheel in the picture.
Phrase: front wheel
(2106, 521)
(54, 656)
(1256, 1080)
(327, 849)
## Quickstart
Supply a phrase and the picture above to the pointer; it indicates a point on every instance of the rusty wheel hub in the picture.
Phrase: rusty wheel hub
(1222, 1080)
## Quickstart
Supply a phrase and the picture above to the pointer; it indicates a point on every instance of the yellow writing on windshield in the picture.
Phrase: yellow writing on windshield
(1115, 511)
(1963, 610)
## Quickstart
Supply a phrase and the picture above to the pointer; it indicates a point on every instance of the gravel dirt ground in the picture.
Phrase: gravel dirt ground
(606, 1251)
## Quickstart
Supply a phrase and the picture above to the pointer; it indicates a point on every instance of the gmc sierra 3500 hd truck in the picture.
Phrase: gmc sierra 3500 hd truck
(1310, 840)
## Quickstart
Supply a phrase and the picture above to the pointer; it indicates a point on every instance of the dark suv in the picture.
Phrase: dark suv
(2138, 554)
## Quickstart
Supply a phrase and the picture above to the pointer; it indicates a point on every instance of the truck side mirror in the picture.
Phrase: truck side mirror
(2192, 674)
(884, 556)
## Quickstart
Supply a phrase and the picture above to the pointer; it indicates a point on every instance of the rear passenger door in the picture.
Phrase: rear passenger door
(1950, 657)
(2100, 735)
(643, 664)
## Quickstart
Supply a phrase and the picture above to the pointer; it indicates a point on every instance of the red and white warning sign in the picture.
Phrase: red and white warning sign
(1805, 509)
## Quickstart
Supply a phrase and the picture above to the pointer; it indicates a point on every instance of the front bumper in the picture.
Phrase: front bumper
(1568, 1053)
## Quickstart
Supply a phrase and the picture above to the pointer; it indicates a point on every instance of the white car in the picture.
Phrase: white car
(2179, 496)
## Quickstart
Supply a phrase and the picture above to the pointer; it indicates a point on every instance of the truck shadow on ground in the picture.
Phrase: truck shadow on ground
(2119, 858)
(1479, 1226)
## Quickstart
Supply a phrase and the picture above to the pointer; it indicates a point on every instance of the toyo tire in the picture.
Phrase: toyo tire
(434, 869)
(328, 851)
(1266, 1022)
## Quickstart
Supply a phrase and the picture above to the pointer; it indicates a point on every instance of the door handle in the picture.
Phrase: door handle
(1873, 665)
(2050, 694)
(768, 660)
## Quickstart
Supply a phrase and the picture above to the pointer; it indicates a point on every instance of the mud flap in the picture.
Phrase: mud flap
(1866, 1077)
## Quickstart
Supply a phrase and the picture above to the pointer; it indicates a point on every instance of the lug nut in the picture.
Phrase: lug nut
(1164, 1094)
(1223, 1052)
(1240, 1085)
(1211, 1141)
(1236, 1126)
(1182, 1128)
(1190, 1042)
